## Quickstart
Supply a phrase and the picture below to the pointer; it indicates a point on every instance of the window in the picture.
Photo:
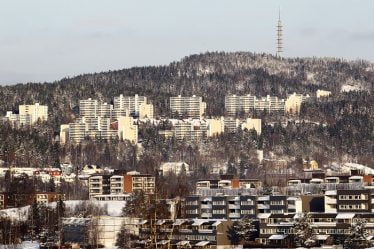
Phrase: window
(219, 211)
(247, 203)
(219, 203)
(251, 211)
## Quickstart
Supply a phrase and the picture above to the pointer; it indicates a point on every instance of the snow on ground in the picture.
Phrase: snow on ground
(23, 245)
(349, 88)
(114, 208)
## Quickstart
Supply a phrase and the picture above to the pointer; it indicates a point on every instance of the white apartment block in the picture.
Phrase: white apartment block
(117, 185)
(191, 131)
(87, 127)
(231, 125)
(98, 185)
(191, 107)
(197, 130)
(28, 114)
(237, 104)
(93, 108)
(97, 120)
(126, 105)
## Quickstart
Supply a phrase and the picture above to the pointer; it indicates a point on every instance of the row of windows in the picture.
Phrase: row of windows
(353, 206)
(353, 197)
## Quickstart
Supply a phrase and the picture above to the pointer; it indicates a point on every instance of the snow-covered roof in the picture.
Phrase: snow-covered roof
(160, 222)
(292, 198)
(216, 223)
(330, 192)
(263, 198)
(183, 243)
(345, 216)
(202, 243)
(179, 222)
(163, 242)
(277, 237)
(263, 216)
(199, 222)
(322, 236)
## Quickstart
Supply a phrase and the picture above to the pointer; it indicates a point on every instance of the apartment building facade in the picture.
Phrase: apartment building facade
(118, 186)
(28, 114)
(133, 105)
(278, 229)
(236, 105)
(349, 200)
(188, 107)
(187, 233)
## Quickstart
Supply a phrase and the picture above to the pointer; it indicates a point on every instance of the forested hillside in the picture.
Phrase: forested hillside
(211, 75)
(338, 128)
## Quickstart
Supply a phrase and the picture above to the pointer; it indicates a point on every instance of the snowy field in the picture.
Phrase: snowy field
(114, 208)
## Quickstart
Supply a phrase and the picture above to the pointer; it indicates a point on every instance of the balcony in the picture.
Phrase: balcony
(206, 206)
(330, 201)
(234, 206)
(263, 206)
(234, 215)
(206, 215)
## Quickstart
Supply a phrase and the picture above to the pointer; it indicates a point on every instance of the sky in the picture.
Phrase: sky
(46, 40)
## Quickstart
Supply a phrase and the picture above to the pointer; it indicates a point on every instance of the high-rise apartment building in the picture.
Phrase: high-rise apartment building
(28, 114)
(133, 105)
(189, 107)
(235, 105)
(191, 131)
(36, 112)
(93, 108)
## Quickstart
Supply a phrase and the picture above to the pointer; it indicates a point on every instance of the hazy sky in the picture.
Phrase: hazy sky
(45, 40)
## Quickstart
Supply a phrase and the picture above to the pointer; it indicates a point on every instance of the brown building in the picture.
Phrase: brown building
(139, 182)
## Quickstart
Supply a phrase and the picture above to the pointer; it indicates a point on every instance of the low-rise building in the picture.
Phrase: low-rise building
(117, 187)
(322, 93)
(134, 181)
(187, 233)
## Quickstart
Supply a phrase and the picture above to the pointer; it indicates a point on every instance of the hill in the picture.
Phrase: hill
(211, 75)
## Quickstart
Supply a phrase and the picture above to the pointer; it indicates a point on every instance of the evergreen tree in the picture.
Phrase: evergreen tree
(357, 235)
(304, 235)
(245, 229)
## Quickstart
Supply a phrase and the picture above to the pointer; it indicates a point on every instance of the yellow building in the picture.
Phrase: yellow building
(293, 103)
(252, 123)
(35, 112)
(145, 111)
(322, 93)
(215, 127)
(127, 130)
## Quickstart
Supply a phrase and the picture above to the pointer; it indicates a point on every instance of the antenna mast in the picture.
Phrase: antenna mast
(279, 36)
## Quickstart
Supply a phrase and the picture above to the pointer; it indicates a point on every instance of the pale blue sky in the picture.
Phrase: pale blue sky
(45, 40)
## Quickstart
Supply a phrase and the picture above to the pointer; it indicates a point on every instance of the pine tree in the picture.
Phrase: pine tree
(357, 235)
(125, 238)
(245, 229)
(304, 235)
